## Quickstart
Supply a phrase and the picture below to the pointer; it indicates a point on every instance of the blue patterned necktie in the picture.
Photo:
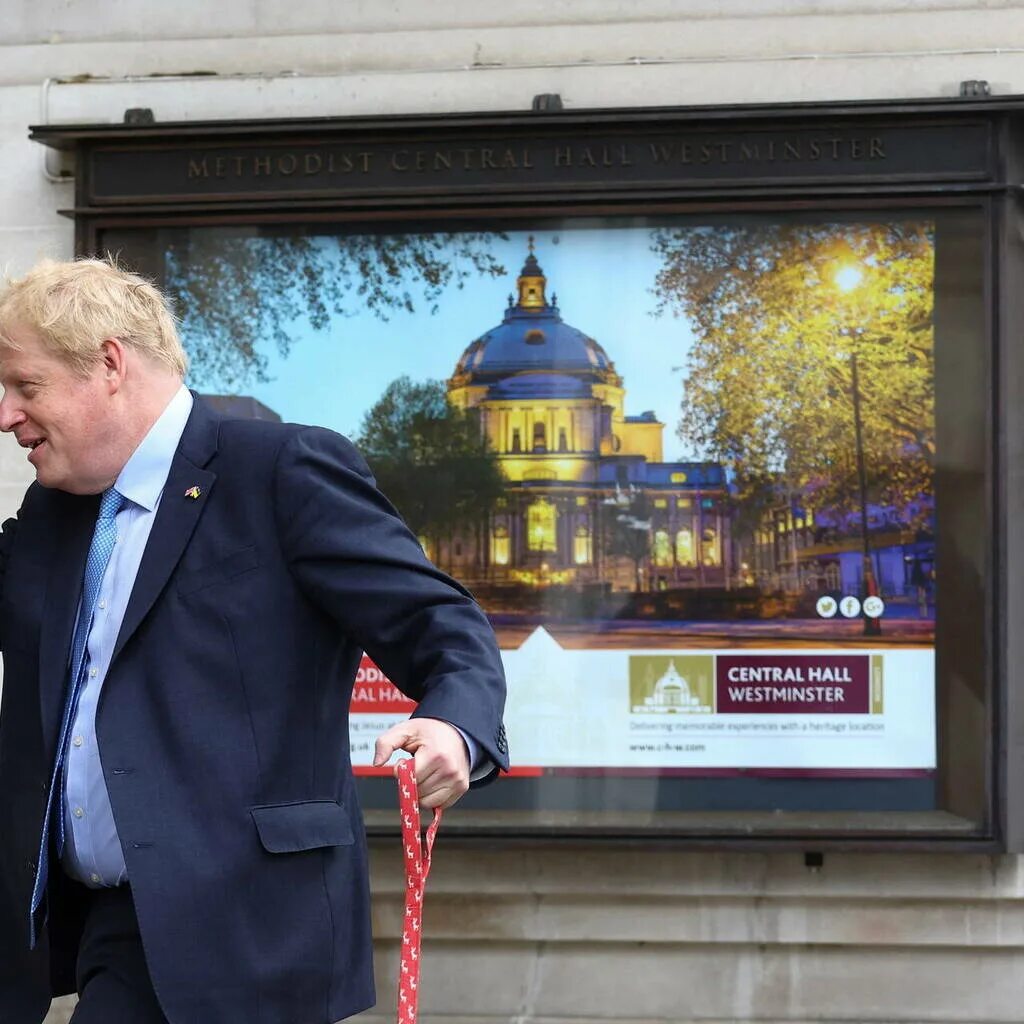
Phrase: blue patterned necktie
(103, 539)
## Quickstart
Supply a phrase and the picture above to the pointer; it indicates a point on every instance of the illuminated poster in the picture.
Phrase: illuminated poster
(686, 468)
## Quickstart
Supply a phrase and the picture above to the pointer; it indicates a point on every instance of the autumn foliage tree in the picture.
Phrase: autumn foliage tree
(779, 313)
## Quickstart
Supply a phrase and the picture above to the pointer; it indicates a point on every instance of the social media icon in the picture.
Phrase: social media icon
(873, 606)
(850, 607)
(827, 606)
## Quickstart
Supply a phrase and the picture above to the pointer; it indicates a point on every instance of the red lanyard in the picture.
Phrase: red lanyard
(417, 867)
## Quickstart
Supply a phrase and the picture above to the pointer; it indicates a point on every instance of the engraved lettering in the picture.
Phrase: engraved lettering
(706, 154)
(814, 150)
(790, 151)
(364, 159)
(442, 161)
(467, 159)
(771, 150)
(624, 159)
(748, 151)
(261, 165)
(686, 153)
(563, 156)
(487, 159)
(857, 149)
(527, 162)
(877, 149)
(835, 143)
(587, 157)
(239, 166)
(313, 163)
(287, 164)
(400, 160)
(662, 153)
(509, 160)
(198, 168)
(421, 161)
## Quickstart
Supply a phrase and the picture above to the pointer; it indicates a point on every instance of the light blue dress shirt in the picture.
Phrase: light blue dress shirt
(92, 850)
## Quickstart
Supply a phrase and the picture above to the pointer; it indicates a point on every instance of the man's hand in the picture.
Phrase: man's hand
(439, 752)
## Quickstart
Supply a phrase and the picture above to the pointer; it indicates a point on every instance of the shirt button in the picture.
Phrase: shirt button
(79, 813)
(103, 604)
(95, 879)
(77, 741)
(92, 673)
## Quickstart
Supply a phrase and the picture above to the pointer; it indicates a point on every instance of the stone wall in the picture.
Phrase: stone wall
(546, 935)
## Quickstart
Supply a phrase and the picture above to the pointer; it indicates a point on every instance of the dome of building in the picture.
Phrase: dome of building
(540, 385)
(533, 337)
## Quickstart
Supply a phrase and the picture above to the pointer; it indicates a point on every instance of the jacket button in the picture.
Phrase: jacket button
(31, 865)
(44, 787)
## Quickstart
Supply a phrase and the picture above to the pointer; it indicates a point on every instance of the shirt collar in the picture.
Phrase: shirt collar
(145, 473)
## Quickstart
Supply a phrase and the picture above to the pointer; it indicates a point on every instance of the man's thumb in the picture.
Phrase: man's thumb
(387, 743)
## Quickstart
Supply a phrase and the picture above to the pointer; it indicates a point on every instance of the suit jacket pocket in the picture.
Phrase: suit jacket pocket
(309, 825)
(224, 569)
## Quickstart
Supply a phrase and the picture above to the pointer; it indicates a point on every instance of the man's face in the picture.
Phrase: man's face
(64, 420)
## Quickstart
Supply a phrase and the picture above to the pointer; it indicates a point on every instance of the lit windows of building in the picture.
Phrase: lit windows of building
(539, 438)
(582, 553)
(710, 547)
(684, 547)
(662, 548)
(541, 518)
(499, 546)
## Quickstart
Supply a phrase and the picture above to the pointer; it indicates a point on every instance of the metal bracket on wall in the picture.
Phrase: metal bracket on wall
(139, 115)
(970, 88)
(814, 860)
(546, 101)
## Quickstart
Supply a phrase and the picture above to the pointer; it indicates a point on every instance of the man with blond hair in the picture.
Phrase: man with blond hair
(184, 600)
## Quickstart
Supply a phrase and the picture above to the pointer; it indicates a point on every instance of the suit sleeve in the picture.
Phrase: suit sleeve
(355, 558)
(7, 534)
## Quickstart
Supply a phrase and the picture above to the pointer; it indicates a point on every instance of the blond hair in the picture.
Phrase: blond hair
(74, 306)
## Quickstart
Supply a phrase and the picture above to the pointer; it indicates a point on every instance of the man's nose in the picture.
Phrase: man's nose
(10, 414)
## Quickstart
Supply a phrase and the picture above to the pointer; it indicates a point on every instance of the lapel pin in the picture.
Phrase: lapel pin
(193, 492)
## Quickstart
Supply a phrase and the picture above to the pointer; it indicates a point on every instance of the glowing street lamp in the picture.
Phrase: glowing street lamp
(847, 278)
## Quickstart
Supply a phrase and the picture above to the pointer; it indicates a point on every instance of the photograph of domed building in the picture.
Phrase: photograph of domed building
(589, 499)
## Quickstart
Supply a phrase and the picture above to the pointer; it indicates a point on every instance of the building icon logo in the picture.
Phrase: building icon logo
(679, 684)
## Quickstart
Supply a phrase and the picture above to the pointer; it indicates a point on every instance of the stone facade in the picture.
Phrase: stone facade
(546, 935)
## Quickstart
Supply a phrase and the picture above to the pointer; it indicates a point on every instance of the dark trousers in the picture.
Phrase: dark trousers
(114, 986)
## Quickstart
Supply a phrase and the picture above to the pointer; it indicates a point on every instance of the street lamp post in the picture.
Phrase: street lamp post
(847, 279)
(872, 625)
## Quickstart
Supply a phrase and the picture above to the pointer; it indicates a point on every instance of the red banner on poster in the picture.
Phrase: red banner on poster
(374, 693)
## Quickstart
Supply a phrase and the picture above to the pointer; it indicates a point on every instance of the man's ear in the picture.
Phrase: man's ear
(114, 362)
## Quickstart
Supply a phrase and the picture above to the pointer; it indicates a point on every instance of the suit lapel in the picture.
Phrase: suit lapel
(176, 517)
(63, 591)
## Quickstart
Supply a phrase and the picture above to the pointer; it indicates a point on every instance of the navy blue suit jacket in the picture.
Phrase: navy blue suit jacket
(223, 719)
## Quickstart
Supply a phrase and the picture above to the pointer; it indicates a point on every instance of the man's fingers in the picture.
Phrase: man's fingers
(388, 742)
(441, 762)
(441, 777)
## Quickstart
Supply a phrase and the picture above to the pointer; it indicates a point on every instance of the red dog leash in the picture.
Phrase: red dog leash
(417, 867)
